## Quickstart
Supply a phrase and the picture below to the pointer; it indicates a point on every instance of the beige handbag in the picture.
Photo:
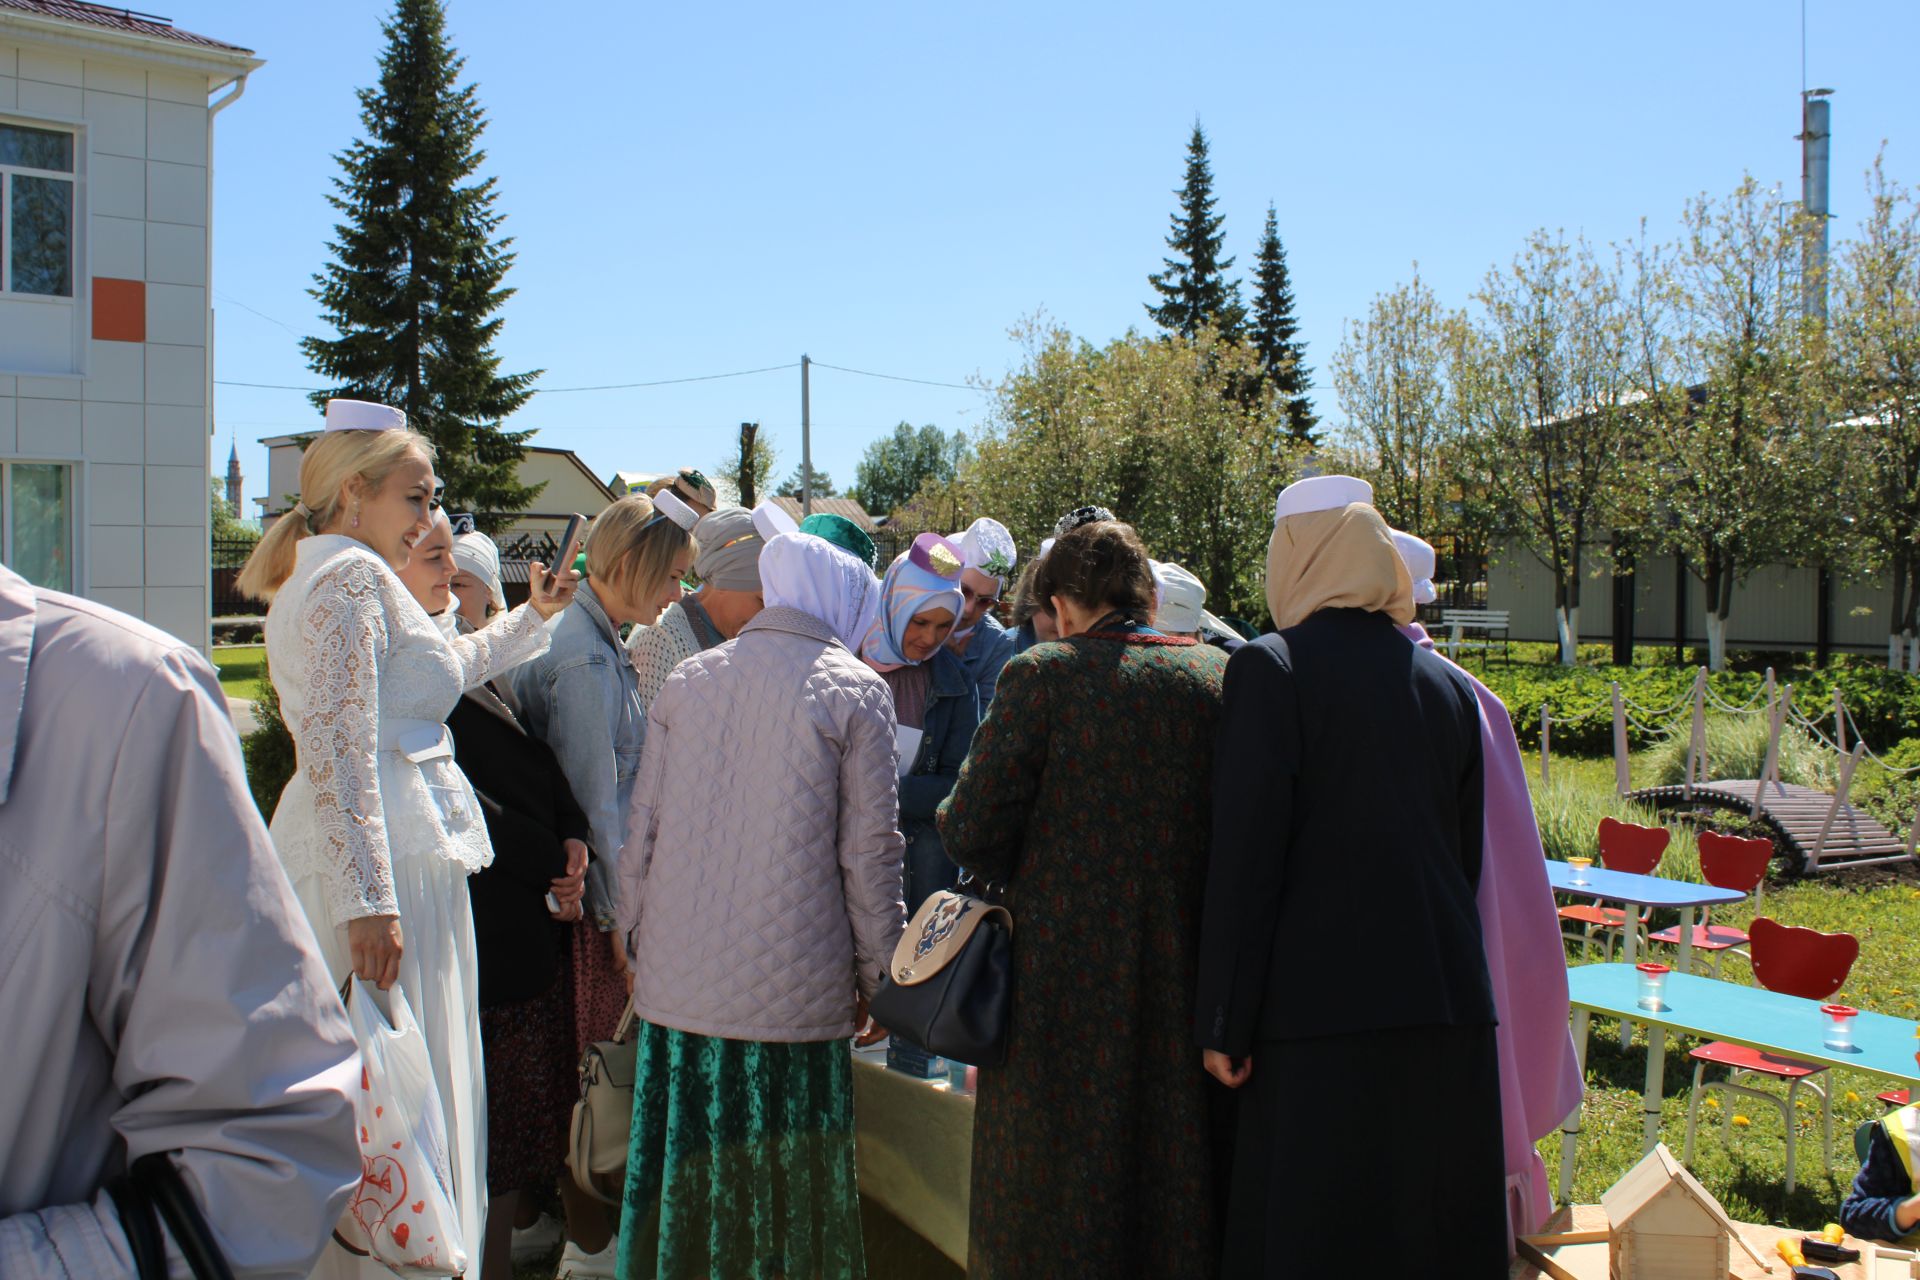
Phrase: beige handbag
(603, 1118)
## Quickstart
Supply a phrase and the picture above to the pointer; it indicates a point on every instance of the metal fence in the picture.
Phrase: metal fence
(228, 555)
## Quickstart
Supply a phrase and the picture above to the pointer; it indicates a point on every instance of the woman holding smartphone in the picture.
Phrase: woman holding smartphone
(378, 827)
(582, 698)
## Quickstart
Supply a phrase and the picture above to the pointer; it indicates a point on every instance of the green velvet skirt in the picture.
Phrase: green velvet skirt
(741, 1161)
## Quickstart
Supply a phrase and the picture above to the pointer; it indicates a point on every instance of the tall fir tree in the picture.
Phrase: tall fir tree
(415, 284)
(1194, 289)
(1283, 357)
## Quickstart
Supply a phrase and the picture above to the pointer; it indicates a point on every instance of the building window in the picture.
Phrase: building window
(38, 525)
(36, 211)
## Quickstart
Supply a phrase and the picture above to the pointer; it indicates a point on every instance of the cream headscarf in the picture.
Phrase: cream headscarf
(1343, 558)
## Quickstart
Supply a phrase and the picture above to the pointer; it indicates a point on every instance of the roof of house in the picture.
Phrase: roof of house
(1639, 1186)
(833, 507)
(275, 442)
(130, 21)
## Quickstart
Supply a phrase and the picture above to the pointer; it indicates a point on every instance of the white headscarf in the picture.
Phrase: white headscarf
(1183, 598)
(475, 553)
(801, 571)
(1417, 554)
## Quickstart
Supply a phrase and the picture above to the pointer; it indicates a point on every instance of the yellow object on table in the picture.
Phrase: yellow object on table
(1587, 1257)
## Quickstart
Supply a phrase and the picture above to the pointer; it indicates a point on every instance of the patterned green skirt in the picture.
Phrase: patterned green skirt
(741, 1161)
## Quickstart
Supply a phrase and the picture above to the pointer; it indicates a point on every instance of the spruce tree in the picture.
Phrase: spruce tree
(1194, 289)
(416, 277)
(1282, 355)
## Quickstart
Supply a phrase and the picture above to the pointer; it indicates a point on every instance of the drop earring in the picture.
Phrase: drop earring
(356, 513)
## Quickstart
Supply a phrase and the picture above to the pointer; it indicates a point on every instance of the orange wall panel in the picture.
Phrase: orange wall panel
(119, 309)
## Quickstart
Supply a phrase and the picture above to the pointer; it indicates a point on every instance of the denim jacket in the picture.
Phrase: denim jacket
(582, 698)
(953, 713)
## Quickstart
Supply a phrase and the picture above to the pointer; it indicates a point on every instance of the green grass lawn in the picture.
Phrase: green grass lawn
(242, 669)
(1746, 1166)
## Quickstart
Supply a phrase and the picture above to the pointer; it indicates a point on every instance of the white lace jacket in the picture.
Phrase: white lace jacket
(366, 680)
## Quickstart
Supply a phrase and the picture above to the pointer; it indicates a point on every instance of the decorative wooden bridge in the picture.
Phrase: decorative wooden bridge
(1819, 830)
(1823, 832)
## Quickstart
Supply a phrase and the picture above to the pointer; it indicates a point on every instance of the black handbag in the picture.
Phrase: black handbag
(950, 985)
(153, 1184)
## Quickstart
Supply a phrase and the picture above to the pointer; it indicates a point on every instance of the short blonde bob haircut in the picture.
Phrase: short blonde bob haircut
(331, 463)
(632, 547)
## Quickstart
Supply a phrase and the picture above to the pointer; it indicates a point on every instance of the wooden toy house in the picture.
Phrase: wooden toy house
(1663, 1225)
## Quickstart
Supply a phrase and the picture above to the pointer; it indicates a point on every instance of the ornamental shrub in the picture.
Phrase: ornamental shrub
(268, 750)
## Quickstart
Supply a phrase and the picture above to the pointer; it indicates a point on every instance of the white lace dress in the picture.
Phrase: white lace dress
(378, 820)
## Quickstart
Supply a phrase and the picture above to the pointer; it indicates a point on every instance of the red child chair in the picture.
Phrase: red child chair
(1726, 862)
(1796, 962)
(1624, 846)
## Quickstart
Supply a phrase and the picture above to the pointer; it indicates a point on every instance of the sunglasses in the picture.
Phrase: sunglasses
(971, 597)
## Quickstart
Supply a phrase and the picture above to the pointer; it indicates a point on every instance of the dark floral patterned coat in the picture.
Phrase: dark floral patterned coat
(1087, 793)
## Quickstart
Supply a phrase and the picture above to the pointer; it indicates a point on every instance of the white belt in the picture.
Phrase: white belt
(418, 740)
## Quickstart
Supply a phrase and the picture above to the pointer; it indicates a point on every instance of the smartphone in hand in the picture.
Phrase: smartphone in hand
(575, 523)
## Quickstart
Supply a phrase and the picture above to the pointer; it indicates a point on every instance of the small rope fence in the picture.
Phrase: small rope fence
(1832, 732)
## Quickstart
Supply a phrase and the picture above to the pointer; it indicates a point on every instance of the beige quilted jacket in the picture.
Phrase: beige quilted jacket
(760, 883)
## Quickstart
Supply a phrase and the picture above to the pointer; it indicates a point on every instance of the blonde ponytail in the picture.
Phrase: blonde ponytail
(332, 460)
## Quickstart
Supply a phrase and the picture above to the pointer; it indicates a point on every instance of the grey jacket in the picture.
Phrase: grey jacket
(761, 882)
(583, 700)
(159, 986)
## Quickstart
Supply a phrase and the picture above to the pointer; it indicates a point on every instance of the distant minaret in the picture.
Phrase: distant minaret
(233, 483)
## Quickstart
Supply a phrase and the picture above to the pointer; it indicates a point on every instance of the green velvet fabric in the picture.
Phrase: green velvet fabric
(741, 1161)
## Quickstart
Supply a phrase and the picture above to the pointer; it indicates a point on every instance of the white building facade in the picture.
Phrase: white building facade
(106, 333)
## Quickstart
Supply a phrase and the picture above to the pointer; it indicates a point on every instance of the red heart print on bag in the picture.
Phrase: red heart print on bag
(419, 1206)
(400, 1234)
(383, 1186)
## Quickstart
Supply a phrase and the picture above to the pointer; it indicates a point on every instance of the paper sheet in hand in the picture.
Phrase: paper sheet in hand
(907, 742)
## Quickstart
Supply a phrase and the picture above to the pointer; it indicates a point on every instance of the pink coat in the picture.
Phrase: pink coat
(1539, 1076)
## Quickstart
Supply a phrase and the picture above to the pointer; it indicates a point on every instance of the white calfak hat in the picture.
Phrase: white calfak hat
(363, 415)
(1321, 493)
(1417, 554)
(1183, 598)
(988, 548)
(770, 520)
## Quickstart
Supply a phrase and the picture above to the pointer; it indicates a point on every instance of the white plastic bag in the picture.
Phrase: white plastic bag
(402, 1214)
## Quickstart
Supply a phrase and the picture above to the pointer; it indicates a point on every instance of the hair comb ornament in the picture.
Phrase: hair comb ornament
(937, 555)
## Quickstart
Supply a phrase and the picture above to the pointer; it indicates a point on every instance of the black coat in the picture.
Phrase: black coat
(530, 811)
(1347, 831)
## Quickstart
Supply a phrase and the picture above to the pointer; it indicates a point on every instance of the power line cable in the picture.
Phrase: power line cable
(549, 391)
(893, 377)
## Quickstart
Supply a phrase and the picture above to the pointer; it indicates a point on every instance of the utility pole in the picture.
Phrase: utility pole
(748, 430)
(806, 439)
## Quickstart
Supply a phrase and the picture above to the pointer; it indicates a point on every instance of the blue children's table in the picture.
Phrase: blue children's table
(1716, 1010)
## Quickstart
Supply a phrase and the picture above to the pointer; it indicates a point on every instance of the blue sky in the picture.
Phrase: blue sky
(699, 189)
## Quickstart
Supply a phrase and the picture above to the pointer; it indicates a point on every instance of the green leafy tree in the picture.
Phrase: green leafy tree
(1547, 380)
(1876, 332)
(1393, 373)
(1731, 377)
(416, 281)
(752, 477)
(896, 467)
(1194, 290)
(1275, 335)
(822, 485)
(1148, 427)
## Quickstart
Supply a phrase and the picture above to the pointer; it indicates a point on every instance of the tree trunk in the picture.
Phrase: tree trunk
(1568, 621)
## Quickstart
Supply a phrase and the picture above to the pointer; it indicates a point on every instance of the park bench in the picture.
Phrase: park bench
(1485, 623)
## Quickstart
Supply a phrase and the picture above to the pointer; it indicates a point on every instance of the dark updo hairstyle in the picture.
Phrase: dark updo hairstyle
(1025, 602)
(1101, 567)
